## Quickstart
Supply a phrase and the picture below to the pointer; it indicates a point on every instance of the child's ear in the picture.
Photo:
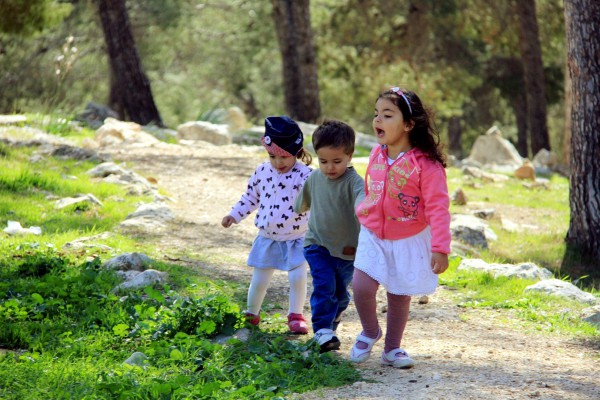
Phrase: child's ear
(408, 125)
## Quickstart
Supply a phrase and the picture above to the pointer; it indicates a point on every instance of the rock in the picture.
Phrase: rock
(95, 114)
(115, 132)
(459, 197)
(15, 228)
(217, 134)
(113, 173)
(148, 217)
(84, 198)
(87, 242)
(236, 119)
(561, 288)
(487, 213)
(145, 278)
(511, 226)
(492, 148)
(525, 171)
(76, 153)
(471, 230)
(129, 261)
(242, 335)
(545, 159)
(520, 271)
(12, 119)
(592, 315)
(137, 359)
(156, 210)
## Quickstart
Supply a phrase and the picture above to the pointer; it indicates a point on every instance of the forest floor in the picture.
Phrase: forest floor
(459, 353)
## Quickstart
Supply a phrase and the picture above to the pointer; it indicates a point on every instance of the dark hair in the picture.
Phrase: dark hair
(304, 156)
(336, 134)
(424, 135)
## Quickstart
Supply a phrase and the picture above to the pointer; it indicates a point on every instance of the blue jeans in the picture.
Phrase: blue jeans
(330, 277)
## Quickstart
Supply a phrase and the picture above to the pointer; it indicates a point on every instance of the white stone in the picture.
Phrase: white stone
(520, 271)
(493, 149)
(145, 278)
(137, 359)
(217, 134)
(15, 228)
(561, 288)
(69, 201)
(115, 132)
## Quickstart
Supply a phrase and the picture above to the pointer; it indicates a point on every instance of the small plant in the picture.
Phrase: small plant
(39, 264)
(58, 125)
(213, 115)
(208, 316)
(4, 150)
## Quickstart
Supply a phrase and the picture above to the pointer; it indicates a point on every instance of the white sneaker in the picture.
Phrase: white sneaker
(398, 358)
(327, 340)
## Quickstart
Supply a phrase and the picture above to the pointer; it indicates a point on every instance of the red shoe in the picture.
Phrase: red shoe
(297, 324)
(252, 319)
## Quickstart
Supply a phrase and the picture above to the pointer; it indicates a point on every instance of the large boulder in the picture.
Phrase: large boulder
(217, 134)
(493, 149)
(115, 132)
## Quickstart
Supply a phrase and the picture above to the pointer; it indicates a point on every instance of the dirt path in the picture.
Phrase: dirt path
(459, 353)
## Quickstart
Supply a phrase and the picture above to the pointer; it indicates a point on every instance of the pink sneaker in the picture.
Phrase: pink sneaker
(297, 324)
(252, 319)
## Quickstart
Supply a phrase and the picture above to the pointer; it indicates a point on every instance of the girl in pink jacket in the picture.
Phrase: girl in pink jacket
(404, 240)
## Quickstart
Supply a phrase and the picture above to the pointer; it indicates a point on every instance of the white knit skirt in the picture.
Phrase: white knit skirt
(402, 266)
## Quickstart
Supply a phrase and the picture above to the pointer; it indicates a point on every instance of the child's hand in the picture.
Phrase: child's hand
(439, 262)
(227, 221)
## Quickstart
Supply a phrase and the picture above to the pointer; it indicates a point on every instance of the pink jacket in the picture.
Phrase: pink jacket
(404, 198)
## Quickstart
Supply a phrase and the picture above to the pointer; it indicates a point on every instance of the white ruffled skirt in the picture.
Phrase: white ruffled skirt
(402, 267)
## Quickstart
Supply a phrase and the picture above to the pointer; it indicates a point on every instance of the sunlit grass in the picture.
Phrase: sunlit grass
(534, 311)
(29, 192)
(65, 334)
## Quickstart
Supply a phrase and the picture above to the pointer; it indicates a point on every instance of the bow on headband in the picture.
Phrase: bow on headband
(399, 92)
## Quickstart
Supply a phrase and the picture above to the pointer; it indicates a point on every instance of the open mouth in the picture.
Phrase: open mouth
(379, 132)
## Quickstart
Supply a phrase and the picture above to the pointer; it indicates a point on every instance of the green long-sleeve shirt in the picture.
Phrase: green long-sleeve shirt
(332, 222)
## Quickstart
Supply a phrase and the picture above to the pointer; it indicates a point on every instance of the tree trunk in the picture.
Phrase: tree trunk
(300, 84)
(519, 103)
(582, 20)
(130, 91)
(566, 153)
(454, 137)
(535, 84)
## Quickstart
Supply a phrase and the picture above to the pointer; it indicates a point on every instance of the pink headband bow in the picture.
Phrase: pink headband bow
(399, 92)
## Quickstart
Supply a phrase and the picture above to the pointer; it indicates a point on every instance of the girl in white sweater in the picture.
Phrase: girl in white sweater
(272, 189)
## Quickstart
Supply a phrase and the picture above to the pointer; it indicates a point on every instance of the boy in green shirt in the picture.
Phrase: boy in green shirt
(331, 193)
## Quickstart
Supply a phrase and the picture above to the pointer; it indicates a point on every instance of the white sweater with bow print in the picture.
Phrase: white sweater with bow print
(272, 194)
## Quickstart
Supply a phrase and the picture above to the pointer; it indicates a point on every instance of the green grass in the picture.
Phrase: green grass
(29, 192)
(544, 208)
(65, 334)
(533, 311)
(69, 335)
